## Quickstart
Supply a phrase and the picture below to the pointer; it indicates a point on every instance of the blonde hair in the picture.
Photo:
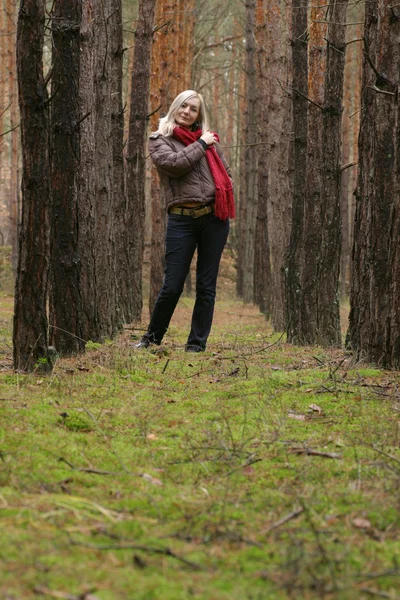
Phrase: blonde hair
(167, 123)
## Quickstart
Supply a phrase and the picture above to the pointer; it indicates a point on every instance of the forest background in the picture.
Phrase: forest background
(283, 83)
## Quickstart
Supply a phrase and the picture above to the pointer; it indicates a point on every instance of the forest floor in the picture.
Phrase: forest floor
(255, 470)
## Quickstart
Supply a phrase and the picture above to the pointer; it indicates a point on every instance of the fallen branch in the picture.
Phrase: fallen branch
(311, 452)
(86, 470)
(371, 592)
(289, 517)
(148, 549)
(39, 589)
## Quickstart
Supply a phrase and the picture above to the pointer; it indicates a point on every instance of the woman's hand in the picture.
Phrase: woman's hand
(208, 138)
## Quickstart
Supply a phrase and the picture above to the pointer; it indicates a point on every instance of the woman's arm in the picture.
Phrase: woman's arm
(173, 163)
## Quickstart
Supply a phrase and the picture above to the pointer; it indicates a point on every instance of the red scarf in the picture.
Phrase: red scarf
(224, 203)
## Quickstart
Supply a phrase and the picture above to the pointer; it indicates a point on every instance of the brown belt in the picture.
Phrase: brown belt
(192, 212)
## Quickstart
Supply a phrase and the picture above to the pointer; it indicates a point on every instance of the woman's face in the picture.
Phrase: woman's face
(188, 112)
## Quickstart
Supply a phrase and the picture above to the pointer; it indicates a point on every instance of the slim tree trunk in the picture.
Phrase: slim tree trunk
(329, 333)
(136, 152)
(279, 111)
(3, 80)
(319, 321)
(241, 191)
(158, 108)
(374, 331)
(30, 321)
(251, 155)
(65, 294)
(104, 231)
(295, 255)
(121, 234)
(350, 131)
(87, 205)
(14, 133)
(262, 264)
(313, 211)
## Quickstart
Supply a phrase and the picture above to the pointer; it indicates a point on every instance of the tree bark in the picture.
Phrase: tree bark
(136, 153)
(65, 293)
(279, 111)
(329, 332)
(158, 108)
(87, 205)
(319, 249)
(251, 156)
(350, 131)
(295, 258)
(14, 200)
(262, 264)
(30, 320)
(105, 226)
(121, 234)
(374, 331)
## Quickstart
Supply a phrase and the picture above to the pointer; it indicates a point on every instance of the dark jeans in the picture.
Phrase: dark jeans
(184, 234)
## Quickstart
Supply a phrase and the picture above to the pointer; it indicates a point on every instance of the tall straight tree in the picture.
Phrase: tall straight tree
(294, 263)
(250, 175)
(313, 212)
(14, 202)
(107, 323)
(262, 263)
(136, 153)
(350, 131)
(86, 170)
(319, 250)
(158, 108)
(121, 252)
(328, 326)
(278, 148)
(30, 319)
(3, 79)
(374, 331)
(65, 293)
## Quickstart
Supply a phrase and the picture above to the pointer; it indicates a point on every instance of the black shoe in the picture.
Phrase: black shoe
(143, 344)
(194, 349)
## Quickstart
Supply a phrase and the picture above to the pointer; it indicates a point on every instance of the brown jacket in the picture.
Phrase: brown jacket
(184, 171)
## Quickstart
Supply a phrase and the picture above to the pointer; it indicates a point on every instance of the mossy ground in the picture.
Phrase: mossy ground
(256, 470)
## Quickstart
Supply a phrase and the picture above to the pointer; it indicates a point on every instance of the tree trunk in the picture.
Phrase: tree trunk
(374, 331)
(87, 205)
(65, 293)
(158, 108)
(30, 321)
(121, 234)
(262, 265)
(3, 105)
(136, 153)
(240, 191)
(350, 131)
(104, 231)
(319, 321)
(14, 133)
(329, 333)
(295, 256)
(279, 111)
(251, 156)
(313, 210)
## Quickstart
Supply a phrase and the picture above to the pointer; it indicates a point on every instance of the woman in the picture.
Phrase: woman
(199, 197)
